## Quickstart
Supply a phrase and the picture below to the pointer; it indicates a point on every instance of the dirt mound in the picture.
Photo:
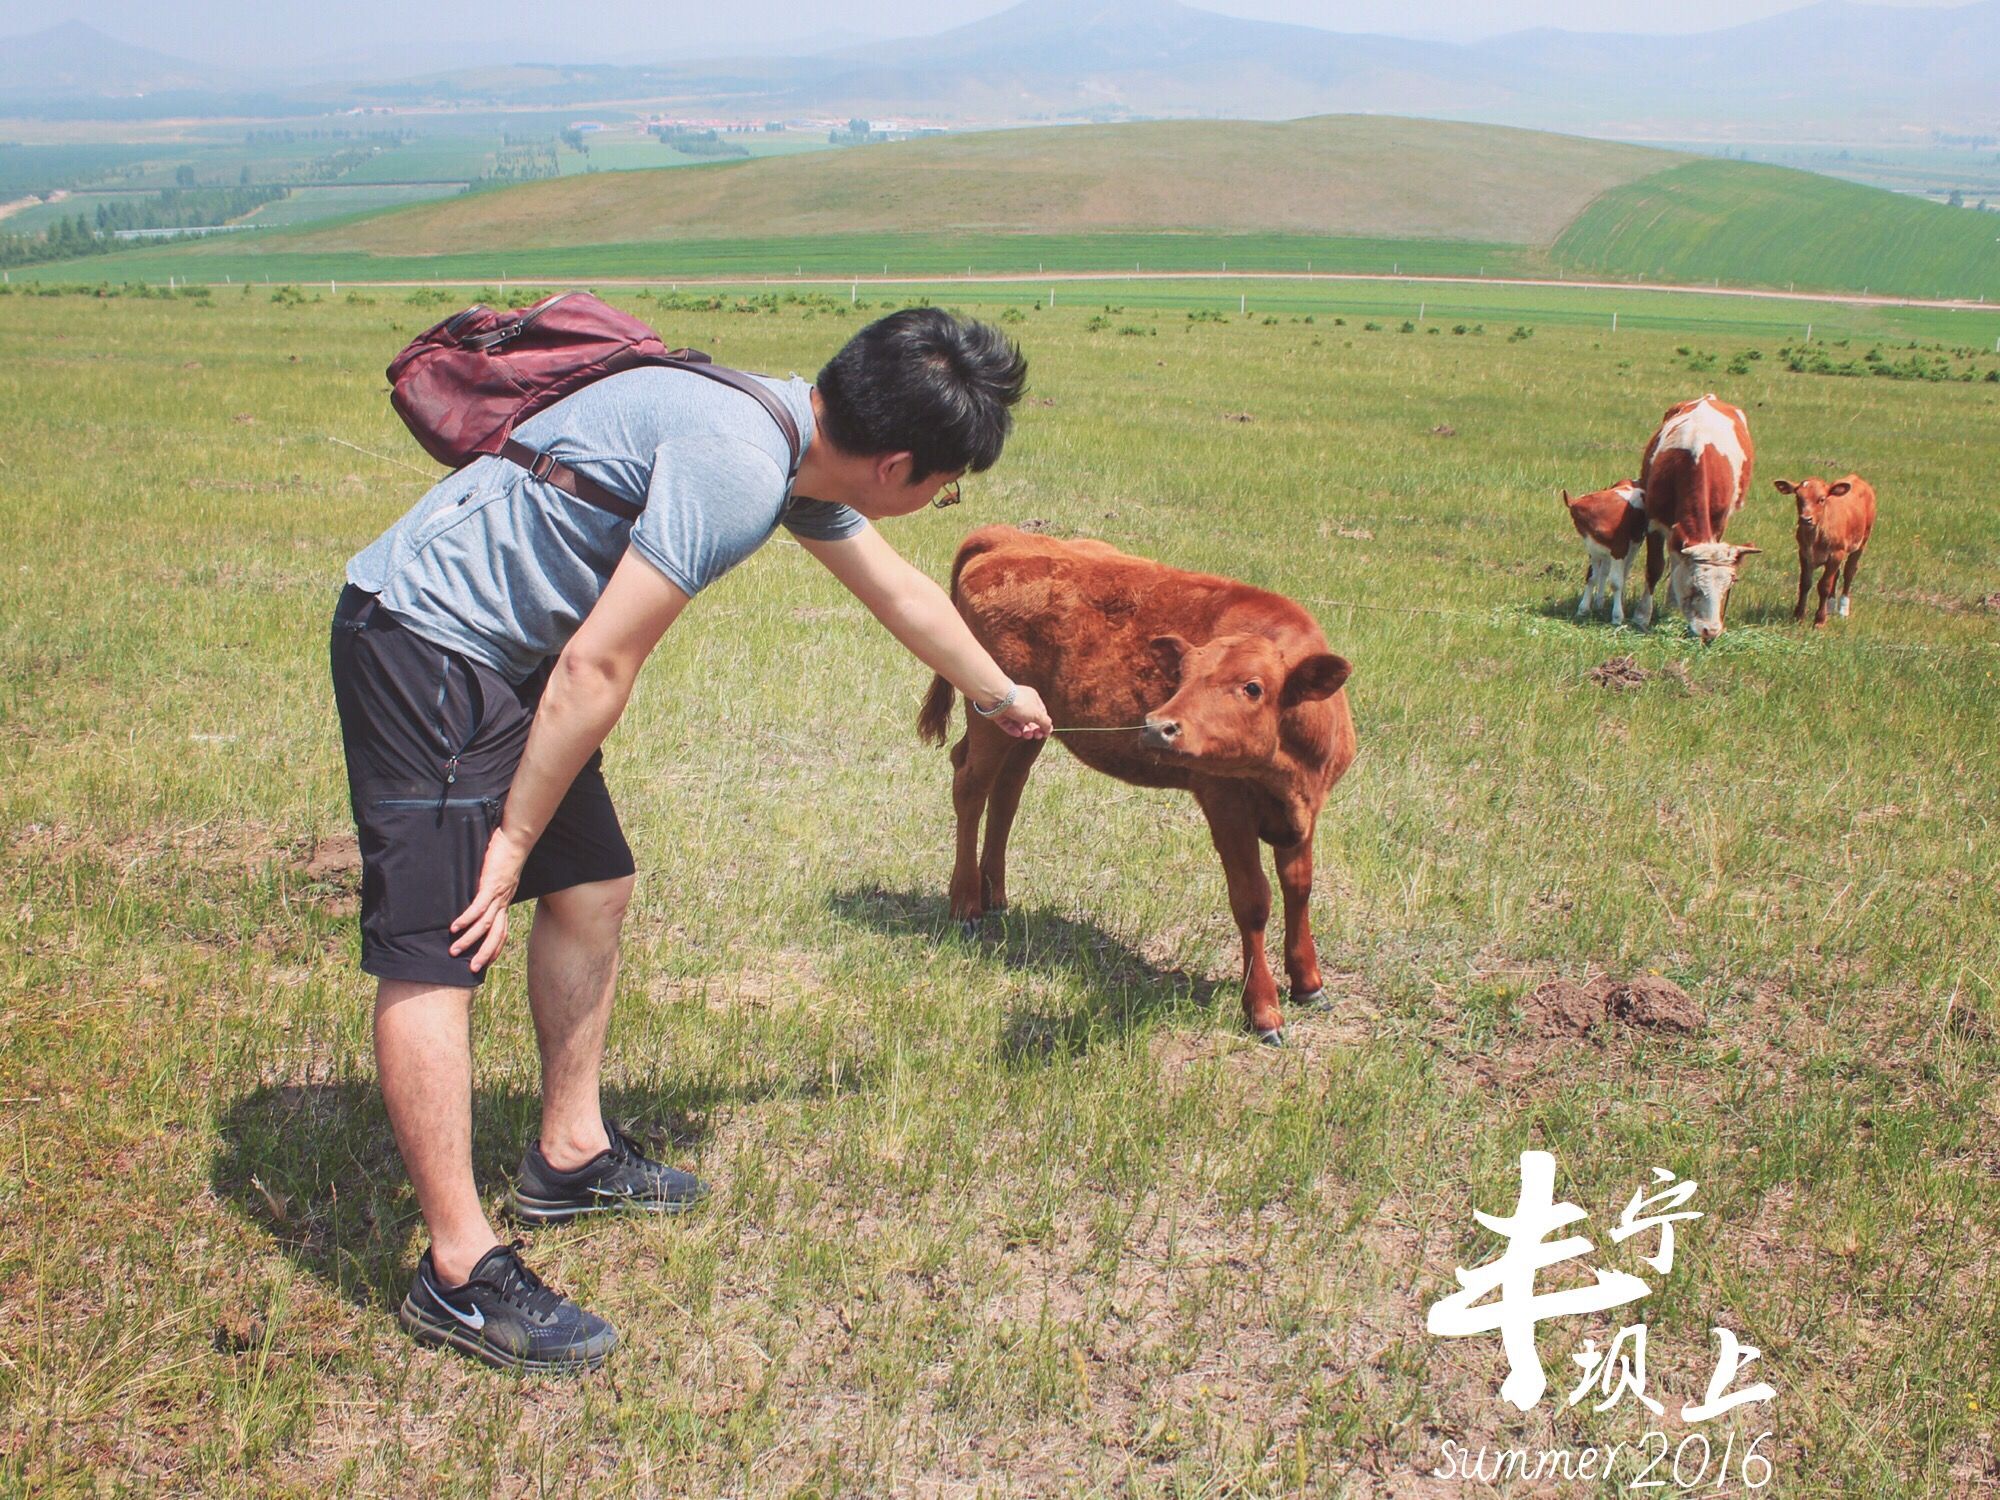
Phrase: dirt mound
(1561, 1007)
(1620, 672)
(332, 858)
(1656, 1004)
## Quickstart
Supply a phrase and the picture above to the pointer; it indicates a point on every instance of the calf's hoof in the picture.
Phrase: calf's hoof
(1274, 1037)
(1316, 997)
(968, 928)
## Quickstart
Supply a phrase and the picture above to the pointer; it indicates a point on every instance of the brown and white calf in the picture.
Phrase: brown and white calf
(1190, 681)
(1695, 474)
(1835, 521)
(1612, 524)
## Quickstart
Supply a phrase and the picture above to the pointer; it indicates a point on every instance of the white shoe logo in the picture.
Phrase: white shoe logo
(473, 1319)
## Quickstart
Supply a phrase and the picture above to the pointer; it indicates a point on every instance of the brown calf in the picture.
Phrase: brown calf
(1695, 473)
(1240, 702)
(1612, 523)
(1834, 524)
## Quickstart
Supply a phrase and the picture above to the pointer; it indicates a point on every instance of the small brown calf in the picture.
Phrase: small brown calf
(1835, 521)
(1612, 524)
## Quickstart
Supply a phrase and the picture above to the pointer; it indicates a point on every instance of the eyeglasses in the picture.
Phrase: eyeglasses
(947, 496)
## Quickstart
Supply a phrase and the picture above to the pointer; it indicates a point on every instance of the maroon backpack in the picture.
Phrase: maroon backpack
(461, 386)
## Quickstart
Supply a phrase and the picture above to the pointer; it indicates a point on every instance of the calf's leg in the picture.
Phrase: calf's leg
(1656, 564)
(1001, 805)
(1234, 831)
(1295, 878)
(1805, 585)
(976, 761)
(1825, 592)
(1619, 570)
(1847, 580)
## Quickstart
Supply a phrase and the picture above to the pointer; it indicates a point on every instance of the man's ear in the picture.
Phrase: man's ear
(1840, 489)
(1168, 651)
(1783, 486)
(894, 469)
(1318, 676)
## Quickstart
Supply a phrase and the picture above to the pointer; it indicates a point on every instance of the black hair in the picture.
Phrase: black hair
(924, 382)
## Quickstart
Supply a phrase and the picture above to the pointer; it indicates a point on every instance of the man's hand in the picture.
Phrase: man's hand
(499, 878)
(1026, 718)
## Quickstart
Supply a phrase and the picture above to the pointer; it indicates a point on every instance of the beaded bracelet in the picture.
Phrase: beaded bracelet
(1013, 692)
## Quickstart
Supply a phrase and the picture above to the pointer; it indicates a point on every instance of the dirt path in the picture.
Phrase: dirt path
(30, 201)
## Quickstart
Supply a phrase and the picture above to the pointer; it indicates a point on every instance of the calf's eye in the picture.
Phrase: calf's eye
(1253, 690)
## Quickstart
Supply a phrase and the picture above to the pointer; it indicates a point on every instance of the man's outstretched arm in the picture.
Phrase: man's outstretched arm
(920, 615)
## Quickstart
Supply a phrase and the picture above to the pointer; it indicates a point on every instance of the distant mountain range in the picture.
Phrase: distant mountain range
(1835, 68)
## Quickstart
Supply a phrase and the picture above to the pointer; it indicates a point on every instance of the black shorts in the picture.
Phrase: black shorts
(432, 741)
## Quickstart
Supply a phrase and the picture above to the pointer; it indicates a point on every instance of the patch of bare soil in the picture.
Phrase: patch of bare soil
(332, 858)
(1562, 1007)
(1444, 429)
(1237, 416)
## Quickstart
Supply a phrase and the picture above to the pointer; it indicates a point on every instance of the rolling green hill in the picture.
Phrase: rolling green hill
(1344, 175)
(1337, 192)
(1754, 225)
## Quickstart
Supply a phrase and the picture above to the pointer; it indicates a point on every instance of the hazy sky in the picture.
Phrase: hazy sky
(277, 32)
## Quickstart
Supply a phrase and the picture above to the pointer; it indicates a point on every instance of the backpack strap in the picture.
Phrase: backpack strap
(547, 468)
(750, 385)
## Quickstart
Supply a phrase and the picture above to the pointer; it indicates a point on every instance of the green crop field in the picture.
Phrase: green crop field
(1023, 1214)
(314, 204)
(1751, 225)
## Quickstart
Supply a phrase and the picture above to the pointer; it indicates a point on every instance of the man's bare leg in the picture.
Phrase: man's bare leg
(423, 1055)
(572, 972)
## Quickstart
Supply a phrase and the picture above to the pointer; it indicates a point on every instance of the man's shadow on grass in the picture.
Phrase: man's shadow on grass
(1123, 989)
(316, 1166)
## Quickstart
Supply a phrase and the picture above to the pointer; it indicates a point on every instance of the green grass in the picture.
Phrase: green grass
(275, 258)
(1025, 1213)
(1752, 225)
(311, 205)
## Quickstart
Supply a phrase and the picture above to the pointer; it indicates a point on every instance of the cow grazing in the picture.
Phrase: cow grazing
(1240, 701)
(1612, 524)
(1695, 473)
(1834, 525)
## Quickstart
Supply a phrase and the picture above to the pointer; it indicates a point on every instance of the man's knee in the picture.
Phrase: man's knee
(597, 906)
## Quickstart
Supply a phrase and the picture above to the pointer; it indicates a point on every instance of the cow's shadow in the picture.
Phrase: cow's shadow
(315, 1165)
(1123, 990)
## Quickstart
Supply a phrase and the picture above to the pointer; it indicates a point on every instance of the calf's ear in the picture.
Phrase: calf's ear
(1320, 675)
(1840, 489)
(1565, 497)
(1782, 486)
(1741, 553)
(1168, 651)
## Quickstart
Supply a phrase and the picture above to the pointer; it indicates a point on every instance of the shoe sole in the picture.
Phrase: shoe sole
(427, 1331)
(561, 1211)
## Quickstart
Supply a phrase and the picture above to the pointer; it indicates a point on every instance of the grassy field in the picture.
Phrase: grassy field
(1025, 1214)
(1753, 225)
(275, 259)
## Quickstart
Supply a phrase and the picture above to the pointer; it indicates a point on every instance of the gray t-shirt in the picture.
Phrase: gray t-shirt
(503, 567)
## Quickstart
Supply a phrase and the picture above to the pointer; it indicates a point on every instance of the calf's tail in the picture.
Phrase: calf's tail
(935, 717)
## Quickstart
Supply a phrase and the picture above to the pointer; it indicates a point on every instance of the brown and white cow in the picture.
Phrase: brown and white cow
(1205, 684)
(1695, 473)
(1835, 521)
(1612, 524)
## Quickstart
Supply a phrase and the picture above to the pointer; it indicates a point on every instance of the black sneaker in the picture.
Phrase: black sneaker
(618, 1178)
(506, 1317)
